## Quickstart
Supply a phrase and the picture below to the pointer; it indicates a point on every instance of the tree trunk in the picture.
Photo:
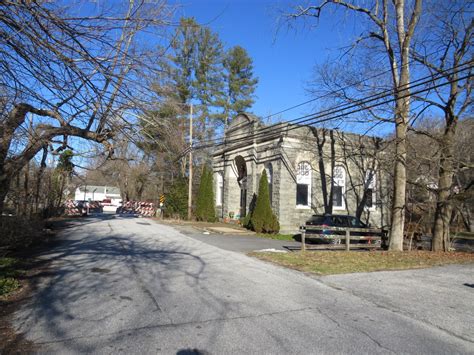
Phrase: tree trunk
(17, 194)
(399, 183)
(39, 178)
(9, 166)
(402, 95)
(4, 188)
(443, 205)
(26, 193)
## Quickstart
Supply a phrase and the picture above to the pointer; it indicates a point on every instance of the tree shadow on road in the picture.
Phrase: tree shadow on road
(87, 299)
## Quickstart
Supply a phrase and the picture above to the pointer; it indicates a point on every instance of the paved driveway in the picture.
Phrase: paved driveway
(236, 242)
(128, 285)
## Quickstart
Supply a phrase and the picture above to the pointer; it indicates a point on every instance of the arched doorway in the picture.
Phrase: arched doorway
(241, 168)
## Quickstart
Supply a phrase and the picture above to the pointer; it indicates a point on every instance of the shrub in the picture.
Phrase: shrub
(246, 221)
(7, 285)
(8, 274)
(205, 207)
(19, 232)
(176, 204)
(262, 218)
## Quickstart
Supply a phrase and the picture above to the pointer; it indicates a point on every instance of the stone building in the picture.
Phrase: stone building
(310, 171)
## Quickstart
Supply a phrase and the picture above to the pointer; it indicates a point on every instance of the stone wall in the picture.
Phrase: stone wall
(284, 151)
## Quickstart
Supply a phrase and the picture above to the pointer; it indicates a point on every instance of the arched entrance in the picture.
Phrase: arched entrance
(241, 168)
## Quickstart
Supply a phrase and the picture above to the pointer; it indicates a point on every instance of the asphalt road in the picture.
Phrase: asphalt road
(237, 242)
(129, 285)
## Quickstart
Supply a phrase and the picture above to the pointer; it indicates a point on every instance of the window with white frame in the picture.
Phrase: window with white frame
(219, 189)
(339, 187)
(303, 184)
(370, 183)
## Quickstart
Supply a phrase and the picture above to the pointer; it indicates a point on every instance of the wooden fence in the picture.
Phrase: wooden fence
(372, 236)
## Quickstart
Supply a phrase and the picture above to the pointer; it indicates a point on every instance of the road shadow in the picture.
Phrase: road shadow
(89, 278)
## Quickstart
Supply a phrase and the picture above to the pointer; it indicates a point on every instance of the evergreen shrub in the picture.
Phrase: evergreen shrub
(262, 219)
(205, 204)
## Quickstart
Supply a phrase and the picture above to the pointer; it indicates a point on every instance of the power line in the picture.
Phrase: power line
(345, 106)
(306, 119)
(311, 119)
(338, 90)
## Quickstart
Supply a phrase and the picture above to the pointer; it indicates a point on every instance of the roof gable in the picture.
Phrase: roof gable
(243, 122)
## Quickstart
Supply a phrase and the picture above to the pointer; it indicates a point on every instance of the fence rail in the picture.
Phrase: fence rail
(373, 237)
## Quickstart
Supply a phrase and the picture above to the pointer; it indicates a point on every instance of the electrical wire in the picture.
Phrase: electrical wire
(308, 120)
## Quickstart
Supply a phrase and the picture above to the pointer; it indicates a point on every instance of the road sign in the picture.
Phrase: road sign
(162, 199)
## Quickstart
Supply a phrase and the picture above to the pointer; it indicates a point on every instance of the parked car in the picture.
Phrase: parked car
(343, 222)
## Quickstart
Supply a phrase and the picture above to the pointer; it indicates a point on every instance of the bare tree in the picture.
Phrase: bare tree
(392, 24)
(73, 71)
(449, 28)
(326, 177)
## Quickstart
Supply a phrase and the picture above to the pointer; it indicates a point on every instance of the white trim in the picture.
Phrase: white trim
(303, 207)
(304, 177)
(219, 191)
(339, 179)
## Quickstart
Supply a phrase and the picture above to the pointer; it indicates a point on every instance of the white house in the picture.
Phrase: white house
(98, 193)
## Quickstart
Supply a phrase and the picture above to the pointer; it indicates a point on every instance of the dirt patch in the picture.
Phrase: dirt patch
(13, 342)
(216, 227)
(35, 271)
(174, 222)
(100, 270)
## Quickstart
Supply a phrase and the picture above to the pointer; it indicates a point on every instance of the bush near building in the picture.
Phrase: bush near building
(205, 207)
(176, 205)
(262, 219)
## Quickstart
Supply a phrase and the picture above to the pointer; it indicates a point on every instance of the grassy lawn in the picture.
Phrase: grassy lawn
(9, 271)
(276, 236)
(340, 262)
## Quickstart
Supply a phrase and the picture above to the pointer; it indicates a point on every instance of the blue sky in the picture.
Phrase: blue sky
(283, 58)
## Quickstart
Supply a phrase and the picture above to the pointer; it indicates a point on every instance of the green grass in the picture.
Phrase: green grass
(10, 270)
(276, 236)
(341, 262)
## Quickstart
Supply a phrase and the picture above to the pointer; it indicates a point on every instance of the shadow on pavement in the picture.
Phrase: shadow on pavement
(89, 282)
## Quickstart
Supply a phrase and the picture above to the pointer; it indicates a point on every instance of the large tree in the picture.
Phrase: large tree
(72, 70)
(444, 51)
(198, 72)
(240, 82)
(391, 24)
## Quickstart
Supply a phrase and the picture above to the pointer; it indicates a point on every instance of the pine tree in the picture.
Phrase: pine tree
(205, 207)
(240, 81)
(262, 218)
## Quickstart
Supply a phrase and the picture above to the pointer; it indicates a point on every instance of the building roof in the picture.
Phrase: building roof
(108, 190)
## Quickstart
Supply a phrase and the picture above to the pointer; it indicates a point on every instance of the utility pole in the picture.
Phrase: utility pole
(190, 183)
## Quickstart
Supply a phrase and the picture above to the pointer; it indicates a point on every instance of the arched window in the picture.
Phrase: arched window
(339, 188)
(303, 184)
(219, 189)
(269, 171)
(370, 183)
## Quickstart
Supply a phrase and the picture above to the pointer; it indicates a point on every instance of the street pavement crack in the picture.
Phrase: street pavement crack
(175, 325)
